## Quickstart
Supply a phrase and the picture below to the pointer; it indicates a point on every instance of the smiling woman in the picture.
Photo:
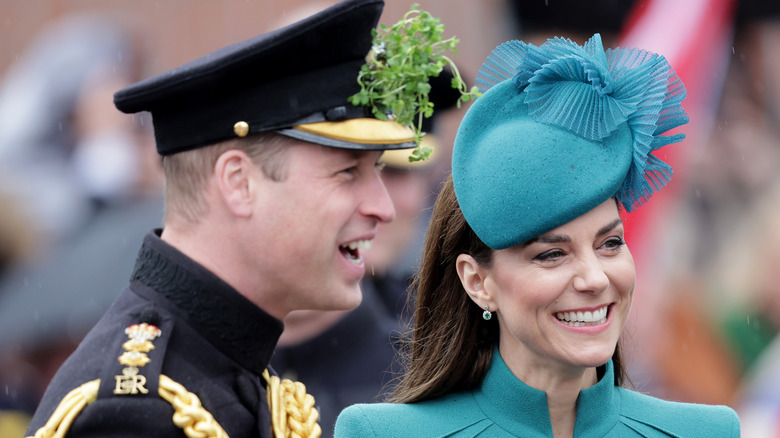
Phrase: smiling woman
(528, 229)
(562, 299)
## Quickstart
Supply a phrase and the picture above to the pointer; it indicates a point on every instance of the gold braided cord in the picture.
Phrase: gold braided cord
(188, 413)
(292, 410)
(70, 406)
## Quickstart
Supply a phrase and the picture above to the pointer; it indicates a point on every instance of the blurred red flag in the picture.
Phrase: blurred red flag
(695, 36)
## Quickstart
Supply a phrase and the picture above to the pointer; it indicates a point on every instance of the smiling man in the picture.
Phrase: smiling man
(272, 195)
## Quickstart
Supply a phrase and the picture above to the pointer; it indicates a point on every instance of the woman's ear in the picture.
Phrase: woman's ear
(234, 172)
(472, 277)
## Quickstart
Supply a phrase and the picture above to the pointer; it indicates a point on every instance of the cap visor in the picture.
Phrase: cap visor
(359, 133)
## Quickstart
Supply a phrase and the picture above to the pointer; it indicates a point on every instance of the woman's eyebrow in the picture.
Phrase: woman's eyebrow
(562, 238)
(609, 227)
(549, 238)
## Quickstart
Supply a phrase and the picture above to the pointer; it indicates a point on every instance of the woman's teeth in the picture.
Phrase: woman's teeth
(577, 319)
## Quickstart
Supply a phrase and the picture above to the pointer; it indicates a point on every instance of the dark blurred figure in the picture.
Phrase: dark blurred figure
(349, 357)
(85, 179)
(537, 20)
(397, 249)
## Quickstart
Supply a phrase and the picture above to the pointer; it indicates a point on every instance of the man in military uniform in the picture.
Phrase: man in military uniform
(272, 194)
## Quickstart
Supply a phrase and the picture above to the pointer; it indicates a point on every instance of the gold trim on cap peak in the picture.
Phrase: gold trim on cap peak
(361, 130)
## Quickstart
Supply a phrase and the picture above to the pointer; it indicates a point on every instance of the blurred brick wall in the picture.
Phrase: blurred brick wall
(173, 32)
(177, 31)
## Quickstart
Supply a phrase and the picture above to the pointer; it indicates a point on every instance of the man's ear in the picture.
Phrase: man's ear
(235, 175)
(472, 277)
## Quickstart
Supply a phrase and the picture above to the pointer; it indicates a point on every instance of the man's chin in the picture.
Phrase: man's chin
(354, 302)
(348, 299)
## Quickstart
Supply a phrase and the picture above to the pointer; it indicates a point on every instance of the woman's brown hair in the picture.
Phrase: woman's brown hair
(450, 346)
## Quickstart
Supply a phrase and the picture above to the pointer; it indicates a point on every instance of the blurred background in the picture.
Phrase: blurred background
(80, 183)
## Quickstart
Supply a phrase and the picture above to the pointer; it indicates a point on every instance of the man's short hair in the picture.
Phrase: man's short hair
(187, 173)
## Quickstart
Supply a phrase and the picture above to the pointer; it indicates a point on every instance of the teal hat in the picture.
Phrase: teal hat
(560, 129)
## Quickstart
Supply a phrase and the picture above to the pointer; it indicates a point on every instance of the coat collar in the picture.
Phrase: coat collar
(513, 405)
(233, 324)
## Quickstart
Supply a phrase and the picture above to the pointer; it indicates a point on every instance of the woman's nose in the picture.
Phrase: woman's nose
(590, 275)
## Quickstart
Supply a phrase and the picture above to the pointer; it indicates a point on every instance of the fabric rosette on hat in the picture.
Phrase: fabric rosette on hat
(560, 129)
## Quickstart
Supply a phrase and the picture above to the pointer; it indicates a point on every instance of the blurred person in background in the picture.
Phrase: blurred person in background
(738, 164)
(350, 357)
(395, 255)
(80, 177)
(746, 281)
(720, 275)
(57, 123)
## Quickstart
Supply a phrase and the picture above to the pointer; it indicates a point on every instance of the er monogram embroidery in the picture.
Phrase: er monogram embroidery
(140, 343)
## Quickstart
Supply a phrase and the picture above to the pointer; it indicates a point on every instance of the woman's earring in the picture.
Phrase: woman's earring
(486, 315)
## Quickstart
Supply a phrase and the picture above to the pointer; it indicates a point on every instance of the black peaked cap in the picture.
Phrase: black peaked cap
(300, 73)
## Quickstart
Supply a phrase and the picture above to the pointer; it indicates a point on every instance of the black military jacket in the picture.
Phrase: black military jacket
(351, 362)
(212, 341)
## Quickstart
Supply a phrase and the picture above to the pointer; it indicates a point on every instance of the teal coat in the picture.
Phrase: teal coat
(503, 406)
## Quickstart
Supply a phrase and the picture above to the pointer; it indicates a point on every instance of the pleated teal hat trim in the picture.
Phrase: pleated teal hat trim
(560, 129)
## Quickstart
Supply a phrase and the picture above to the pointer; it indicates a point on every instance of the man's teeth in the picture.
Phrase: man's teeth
(352, 250)
(578, 319)
(359, 244)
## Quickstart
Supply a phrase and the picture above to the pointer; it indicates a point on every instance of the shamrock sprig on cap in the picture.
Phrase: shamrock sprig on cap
(394, 82)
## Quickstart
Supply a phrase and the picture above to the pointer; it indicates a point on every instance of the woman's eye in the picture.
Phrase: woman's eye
(549, 255)
(614, 243)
